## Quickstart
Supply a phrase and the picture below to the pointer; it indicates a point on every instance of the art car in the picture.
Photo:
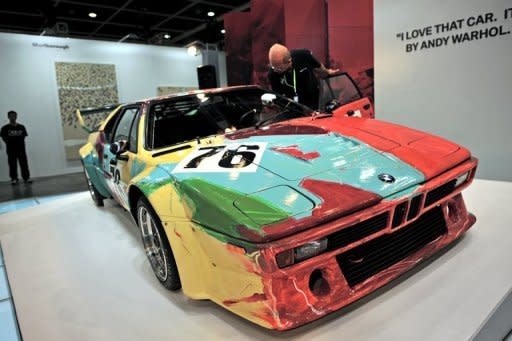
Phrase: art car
(279, 213)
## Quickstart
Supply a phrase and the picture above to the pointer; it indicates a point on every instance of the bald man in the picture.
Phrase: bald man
(294, 74)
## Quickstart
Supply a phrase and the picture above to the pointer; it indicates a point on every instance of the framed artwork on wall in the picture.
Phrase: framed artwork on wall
(170, 89)
(83, 85)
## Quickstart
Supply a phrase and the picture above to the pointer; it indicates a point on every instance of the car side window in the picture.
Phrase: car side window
(109, 127)
(122, 132)
(132, 146)
(178, 120)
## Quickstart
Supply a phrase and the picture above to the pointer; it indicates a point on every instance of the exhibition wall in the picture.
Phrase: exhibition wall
(338, 32)
(28, 85)
(431, 75)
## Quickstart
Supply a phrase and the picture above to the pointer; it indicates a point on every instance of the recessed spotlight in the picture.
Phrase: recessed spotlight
(92, 15)
(211, 14)
(223, 31)
(167, 36)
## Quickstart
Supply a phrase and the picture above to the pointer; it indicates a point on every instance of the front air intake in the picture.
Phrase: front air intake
(379, 254)
(357, 232)
(440, 192)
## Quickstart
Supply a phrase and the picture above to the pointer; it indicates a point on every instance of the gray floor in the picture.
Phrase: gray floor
(78, 272)
(41, 187)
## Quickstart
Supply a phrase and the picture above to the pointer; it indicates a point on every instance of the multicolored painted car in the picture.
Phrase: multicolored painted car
(276, 212)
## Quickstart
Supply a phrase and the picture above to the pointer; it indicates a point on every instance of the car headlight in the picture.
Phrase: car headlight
(462, 179)
(300, 253)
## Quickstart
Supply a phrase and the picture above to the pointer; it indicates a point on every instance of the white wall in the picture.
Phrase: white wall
(462, 92)
(28, 86)
(223, 79)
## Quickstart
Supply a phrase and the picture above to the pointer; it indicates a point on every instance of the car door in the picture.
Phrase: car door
(120, 152)
(340, 95)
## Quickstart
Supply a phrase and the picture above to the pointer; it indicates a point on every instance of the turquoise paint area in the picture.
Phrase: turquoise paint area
(341, 160)
(278, 176)
(137, 167)
(403, 194)
(91, 164)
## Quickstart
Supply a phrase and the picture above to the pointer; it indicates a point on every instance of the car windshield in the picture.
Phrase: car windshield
(190, 117)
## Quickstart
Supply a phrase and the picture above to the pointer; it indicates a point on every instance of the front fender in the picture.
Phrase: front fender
(91, 163)
(158, 186)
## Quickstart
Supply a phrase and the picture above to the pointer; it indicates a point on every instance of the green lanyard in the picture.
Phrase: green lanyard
(294, 83)
(284, 81)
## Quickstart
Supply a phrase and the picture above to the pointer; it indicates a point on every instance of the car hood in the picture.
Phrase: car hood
(300, 174)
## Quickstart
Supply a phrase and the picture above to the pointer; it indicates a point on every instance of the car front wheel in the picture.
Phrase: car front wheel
(157, 246)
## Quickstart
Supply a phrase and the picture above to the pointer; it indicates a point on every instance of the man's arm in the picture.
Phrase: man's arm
(3, 133)
(318, 68)
(323, 72)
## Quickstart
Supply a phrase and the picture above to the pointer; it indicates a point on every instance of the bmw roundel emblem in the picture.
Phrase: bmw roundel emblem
(388, 178)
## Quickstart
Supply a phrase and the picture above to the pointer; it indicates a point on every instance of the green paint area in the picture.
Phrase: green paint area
(156, 179)
(212, 206)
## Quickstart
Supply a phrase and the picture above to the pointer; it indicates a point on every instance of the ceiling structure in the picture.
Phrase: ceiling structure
(159, 22)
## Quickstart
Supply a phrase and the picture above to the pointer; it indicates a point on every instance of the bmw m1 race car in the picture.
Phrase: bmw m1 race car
(276, 212)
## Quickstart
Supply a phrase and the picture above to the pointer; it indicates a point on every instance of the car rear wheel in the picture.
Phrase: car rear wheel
(96, 196)
(157, 246)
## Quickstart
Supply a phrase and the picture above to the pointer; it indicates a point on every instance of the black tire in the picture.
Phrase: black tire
(95, 195)
(156, 245)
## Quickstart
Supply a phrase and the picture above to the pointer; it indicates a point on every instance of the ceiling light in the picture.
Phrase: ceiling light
(192, 50)
(167, 36)
(92, 15)
(211, 14)
(223, 31)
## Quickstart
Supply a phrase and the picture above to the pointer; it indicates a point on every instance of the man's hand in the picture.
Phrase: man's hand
(331, 72)
(323, 72)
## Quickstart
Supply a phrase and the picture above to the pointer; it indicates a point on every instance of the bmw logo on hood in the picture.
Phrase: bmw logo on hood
(388, 178)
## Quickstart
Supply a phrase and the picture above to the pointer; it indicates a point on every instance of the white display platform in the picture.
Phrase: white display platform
(78, 272)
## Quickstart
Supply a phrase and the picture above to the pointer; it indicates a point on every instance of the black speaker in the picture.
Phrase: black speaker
(207, 76)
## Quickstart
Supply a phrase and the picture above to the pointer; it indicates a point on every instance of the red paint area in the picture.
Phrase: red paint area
(249, 234)
(177, 234)
(291, 301)
(296, 152)
(430, 154)
(250, 299)
(99, 144)
(337, 200)
(278, 129)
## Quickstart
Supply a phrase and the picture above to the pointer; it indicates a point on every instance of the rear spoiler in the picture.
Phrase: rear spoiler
(90, 111)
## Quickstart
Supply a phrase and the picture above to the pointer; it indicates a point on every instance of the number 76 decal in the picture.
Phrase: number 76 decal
(239, 157)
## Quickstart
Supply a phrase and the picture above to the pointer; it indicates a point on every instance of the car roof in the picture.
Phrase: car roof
(194, 92)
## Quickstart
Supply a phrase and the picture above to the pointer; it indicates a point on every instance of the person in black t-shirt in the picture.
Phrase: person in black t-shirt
(294, 74)
(14, 135)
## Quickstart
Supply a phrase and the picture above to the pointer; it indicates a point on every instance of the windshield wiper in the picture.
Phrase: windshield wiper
(270, 119)
(317, 115)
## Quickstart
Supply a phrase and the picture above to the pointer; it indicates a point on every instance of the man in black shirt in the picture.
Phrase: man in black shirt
(294, 74)
(14, 135)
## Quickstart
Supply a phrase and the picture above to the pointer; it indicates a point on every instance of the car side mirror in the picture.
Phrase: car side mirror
(119, 147)
(268, 98)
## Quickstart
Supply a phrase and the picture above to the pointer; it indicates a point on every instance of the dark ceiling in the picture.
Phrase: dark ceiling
(135, 21)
